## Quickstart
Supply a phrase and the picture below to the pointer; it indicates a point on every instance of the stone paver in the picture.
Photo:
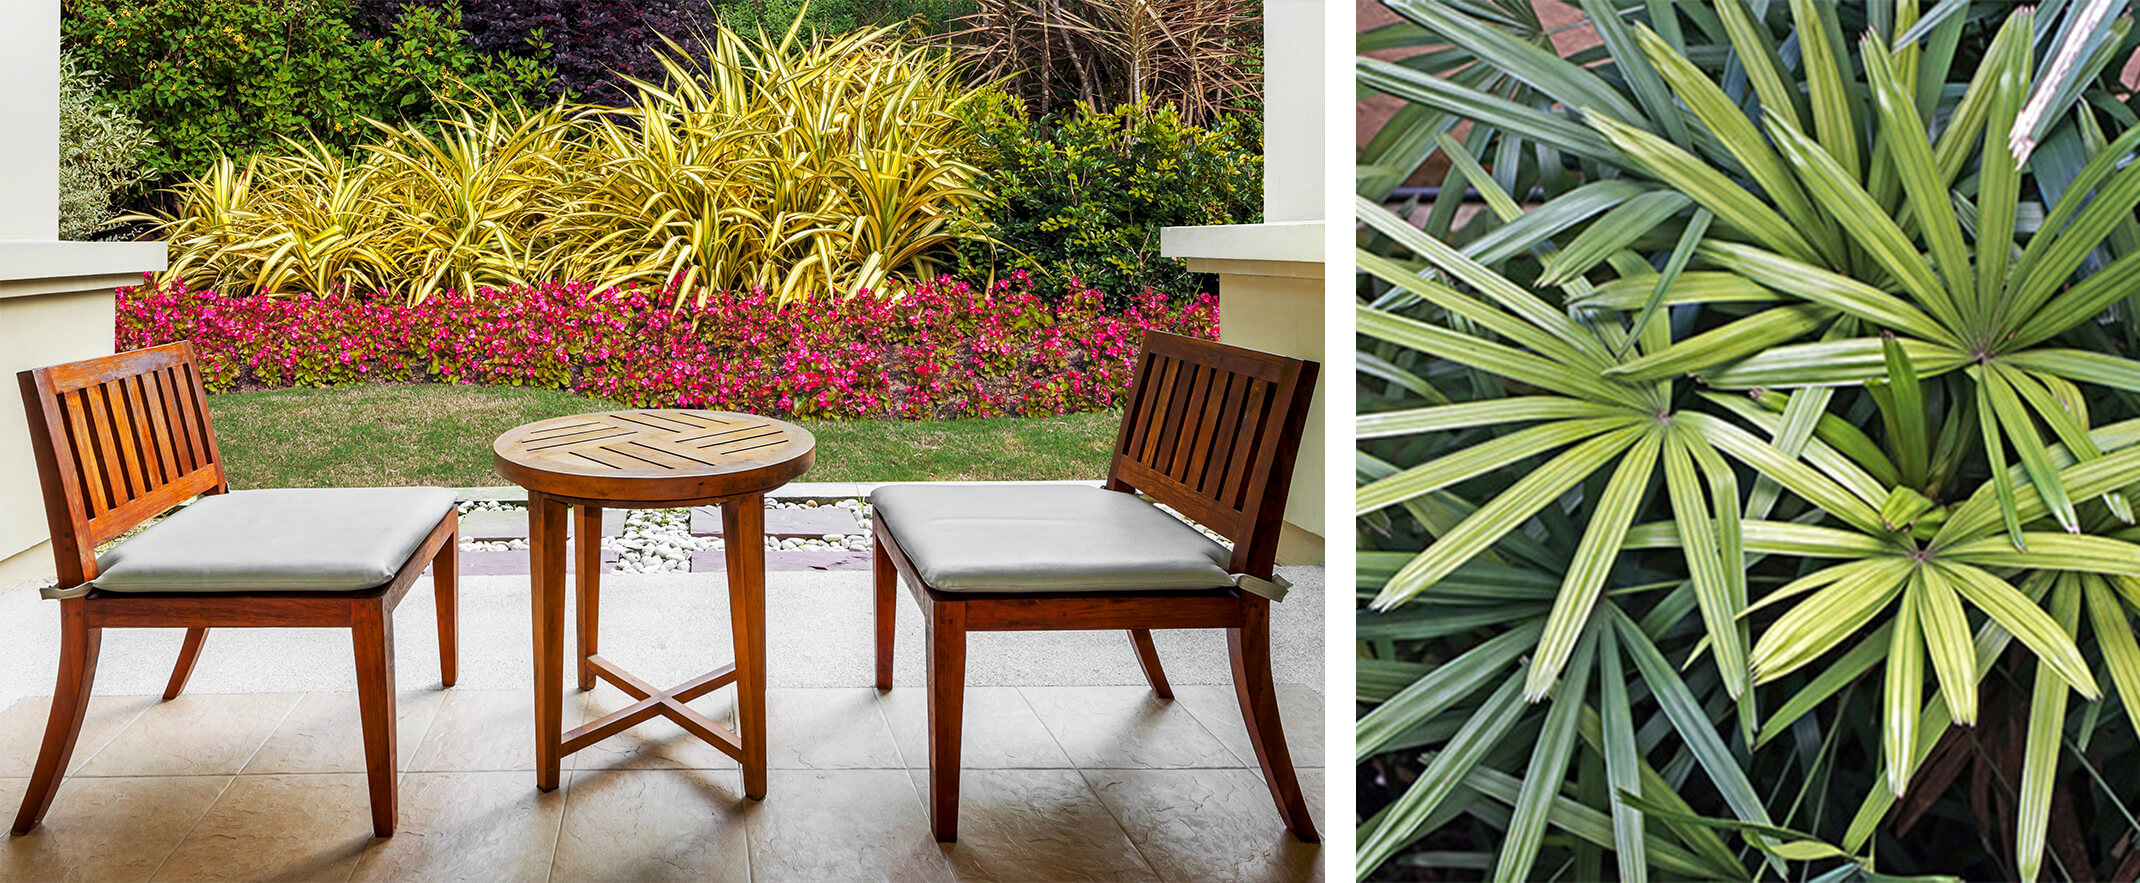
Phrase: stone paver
(806, 523)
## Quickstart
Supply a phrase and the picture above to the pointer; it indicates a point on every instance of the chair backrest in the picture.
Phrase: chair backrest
(118, 440)
(1212, 431)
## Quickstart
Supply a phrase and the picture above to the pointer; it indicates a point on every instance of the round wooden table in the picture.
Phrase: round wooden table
(653, 459)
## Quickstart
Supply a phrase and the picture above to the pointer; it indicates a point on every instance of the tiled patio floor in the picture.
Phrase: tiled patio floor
(1062, 783)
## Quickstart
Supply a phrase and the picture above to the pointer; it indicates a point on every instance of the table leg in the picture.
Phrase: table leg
(546, 559)
(587, 547)
(743, 528)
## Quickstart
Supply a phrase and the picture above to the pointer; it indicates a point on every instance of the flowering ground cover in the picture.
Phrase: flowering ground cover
(941, 350)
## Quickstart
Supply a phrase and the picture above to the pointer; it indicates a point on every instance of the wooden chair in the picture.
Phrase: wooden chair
(121, 439)
(1210, 430)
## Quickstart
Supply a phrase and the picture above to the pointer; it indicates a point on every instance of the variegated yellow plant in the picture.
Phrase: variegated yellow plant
(803, 165)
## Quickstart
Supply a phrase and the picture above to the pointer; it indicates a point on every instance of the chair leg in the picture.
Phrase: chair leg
(446, 593)
(947, 700)
(887, 581)
(373, 635)
(1148, 656)
(78, 646)
(587, 552)
(1250, 647)
(188, 653)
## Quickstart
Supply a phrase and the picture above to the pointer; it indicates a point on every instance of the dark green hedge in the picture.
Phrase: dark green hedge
(1086, 197)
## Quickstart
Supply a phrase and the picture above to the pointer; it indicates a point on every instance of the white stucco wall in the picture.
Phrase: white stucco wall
(1293, 110)
(1271, 274)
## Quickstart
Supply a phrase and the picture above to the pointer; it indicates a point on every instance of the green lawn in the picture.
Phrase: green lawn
(403, 434)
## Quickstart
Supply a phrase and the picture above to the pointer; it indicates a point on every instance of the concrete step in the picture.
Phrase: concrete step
(516, 562)
(787, 560)
(782, 523)
(512, 524)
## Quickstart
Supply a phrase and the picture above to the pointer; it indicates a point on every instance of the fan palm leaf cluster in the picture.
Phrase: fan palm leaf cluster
(1769, 390)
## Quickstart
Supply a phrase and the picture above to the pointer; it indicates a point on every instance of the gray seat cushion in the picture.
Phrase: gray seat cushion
(1045, 538)
(310, 539)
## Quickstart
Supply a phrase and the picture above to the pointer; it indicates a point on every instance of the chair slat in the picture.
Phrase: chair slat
(1177, 411)
(129, 437)
(95, 492)
(108, 456)
(1226, 417)
(1191, 470)
(188, 414)
(1192, 413)
(152, 475)
(175, 416)
(1216, 435)
(1155, 417)
(1136, 414)
(159, 426)
(1246, 440)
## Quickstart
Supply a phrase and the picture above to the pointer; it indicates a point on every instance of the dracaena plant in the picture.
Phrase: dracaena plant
(1735, 196)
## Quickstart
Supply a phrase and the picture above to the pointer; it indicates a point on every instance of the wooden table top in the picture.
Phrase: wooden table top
(654, 455)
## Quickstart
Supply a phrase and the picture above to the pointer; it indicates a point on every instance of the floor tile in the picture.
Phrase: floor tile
(1206, 825)
(658, 744)
(818, 729)
(654, 825)
(468, 826)
(482, 730)
(842, 825)
(1300, 710)
(1034, 825)
(1000, 730)
(194, 735)
(325, 734)
(278, 828)
(22, 729)
(105, 828)
(1126, 728)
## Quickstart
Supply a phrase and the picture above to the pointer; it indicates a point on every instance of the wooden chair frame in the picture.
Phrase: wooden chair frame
(1209, 429)
(124, 438)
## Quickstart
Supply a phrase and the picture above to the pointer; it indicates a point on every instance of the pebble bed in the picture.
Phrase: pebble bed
(660, 540)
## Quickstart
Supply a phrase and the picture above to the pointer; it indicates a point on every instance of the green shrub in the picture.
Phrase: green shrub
(100, 151)
(1087, 199)
(215, 77)
(834, 16)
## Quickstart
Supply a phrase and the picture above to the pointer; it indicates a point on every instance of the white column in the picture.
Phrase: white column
(29, 154)
(55, 297)
(1292, 110)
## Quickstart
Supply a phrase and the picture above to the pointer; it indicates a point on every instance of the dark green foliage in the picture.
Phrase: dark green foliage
(592, 45)
(835, 16)
(1085, 198)
(211, 77)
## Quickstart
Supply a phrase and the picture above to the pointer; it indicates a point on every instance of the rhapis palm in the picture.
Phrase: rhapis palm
(1911, 474)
